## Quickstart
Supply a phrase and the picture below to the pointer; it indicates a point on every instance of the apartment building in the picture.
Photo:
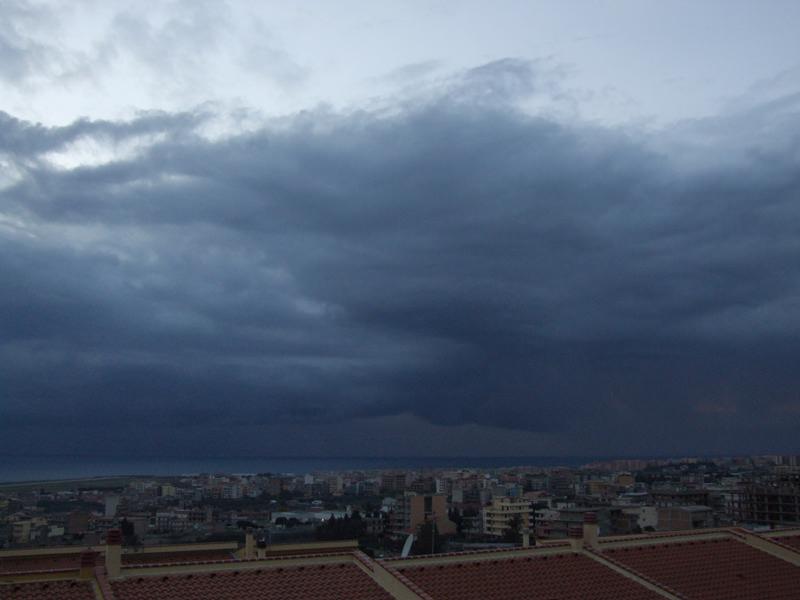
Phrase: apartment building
(498, 516)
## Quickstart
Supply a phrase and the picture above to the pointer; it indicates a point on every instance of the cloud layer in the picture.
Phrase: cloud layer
(448, 262)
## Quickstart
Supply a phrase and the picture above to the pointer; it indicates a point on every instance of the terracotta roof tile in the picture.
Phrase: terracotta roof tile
(484, 551)
(50, 590)
(277, 551)
(320, 582)
(42, 562)
(722, 569)
(174, 558)
(792, 541)
(555, 577)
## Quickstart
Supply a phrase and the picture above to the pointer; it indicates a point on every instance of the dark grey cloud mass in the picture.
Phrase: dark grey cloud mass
(450, 263)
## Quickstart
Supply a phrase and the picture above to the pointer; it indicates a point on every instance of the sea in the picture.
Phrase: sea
(49, 468)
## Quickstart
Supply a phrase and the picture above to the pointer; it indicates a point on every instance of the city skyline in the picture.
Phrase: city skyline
(544, 230)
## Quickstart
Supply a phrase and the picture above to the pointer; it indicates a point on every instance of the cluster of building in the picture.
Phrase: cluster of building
(465, 508)
(154, 509)
(628, 497)
(629, 530)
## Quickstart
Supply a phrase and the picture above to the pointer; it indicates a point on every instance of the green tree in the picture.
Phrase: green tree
(349, 527)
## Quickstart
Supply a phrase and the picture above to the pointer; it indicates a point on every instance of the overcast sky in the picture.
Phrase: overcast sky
(409, 228)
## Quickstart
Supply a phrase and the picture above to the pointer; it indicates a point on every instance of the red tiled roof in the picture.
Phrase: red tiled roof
(555, 577)
(644, 538)
(277, 551)
(173, 558)
(50, 590)
(722, 569)
(789, 540)
(42, 562)
(485, 551)
(320, 582)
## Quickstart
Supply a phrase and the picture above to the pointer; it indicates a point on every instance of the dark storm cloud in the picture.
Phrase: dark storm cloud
(22, 139)
(452, 258)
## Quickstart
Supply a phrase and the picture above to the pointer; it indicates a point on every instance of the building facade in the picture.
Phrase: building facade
(499, 515)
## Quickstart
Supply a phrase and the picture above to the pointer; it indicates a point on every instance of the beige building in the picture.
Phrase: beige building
(21, 531)
(681, 518)
(167, 490)
(412, 510)
(498, 515)
(602, 489)
(625, 479)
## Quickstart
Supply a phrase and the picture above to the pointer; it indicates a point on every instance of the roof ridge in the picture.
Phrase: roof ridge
(37, 572)
(770, 541)
(423, 595)
(103, 584)
(234, 559)
(601, 557)
(476, 552)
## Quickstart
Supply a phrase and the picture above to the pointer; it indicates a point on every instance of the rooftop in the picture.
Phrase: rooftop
(41, 562)
(790, 538)
(48, 590)
(555, 577)
(317, 582)
(715, 569)
(152, 558)
(793, 541)
(711, 564)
